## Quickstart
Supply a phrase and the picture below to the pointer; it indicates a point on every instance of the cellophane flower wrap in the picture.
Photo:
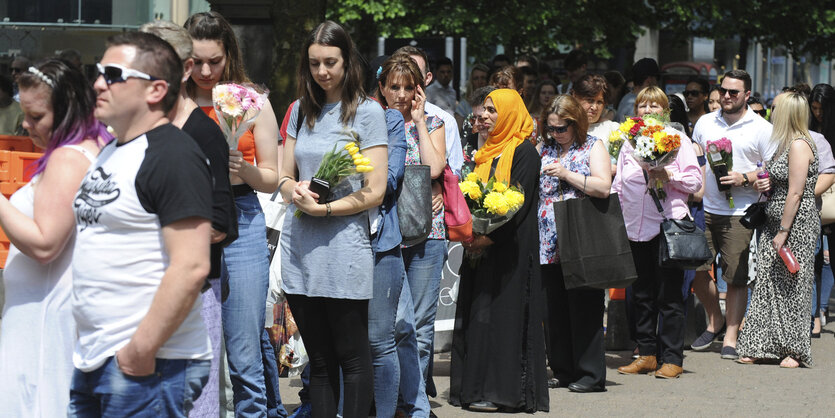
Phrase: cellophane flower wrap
(340, 163)
(654, 143)
(492, 204)
(236, 106)
(721, 152)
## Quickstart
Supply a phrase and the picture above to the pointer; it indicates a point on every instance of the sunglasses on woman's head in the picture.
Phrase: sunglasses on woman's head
(114, 73)
(732, 92)
(557, 129)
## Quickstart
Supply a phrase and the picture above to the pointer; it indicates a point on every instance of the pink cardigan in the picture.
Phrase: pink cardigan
(640, 215)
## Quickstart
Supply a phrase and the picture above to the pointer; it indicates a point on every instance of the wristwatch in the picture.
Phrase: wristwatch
(745, 181)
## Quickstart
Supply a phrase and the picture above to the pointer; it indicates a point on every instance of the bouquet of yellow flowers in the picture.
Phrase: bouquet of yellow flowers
(337, 166)
(491, 204)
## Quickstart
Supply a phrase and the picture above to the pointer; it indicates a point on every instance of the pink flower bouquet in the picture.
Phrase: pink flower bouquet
(237, 106)
(720, 157)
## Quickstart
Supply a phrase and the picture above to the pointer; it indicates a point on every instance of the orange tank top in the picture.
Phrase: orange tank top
(246, 143)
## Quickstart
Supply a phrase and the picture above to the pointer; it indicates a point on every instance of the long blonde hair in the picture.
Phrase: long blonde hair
(790, 119)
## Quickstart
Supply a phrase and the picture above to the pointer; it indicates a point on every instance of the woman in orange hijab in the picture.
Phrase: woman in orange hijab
(498, 346)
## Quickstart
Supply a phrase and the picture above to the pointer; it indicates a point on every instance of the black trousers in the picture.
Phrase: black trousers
(335, 333)
(657, 291)
(575, 318)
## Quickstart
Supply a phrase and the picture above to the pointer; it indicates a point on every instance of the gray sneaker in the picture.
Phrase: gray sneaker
(729, 353)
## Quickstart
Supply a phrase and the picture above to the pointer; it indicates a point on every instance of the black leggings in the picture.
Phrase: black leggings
(335, 335)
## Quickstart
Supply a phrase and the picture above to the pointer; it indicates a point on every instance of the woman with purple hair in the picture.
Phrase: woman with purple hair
(38, 333)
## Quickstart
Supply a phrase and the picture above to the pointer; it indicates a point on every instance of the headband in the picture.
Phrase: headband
(42, 76)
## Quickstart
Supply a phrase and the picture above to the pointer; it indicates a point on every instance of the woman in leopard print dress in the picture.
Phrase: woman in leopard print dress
(777, 324)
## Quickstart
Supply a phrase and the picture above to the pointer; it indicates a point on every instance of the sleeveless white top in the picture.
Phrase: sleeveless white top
(37, 333)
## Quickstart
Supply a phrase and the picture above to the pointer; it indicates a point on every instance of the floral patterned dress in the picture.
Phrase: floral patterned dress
(551, 190)
(413, 158)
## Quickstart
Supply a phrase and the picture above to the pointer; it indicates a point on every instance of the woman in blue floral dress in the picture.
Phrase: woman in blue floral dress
(574, 165)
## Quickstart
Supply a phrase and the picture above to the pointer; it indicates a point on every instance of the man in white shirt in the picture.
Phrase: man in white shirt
(441, 91)
(751, 138)
(142, 246)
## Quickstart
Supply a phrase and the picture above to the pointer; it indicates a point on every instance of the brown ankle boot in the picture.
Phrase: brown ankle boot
(644, 364)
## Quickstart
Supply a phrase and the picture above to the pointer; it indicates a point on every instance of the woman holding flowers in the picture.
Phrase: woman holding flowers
(245, 262)
(498, 347)
(657, 291)
(777, 324)
(574, 165)
(327, 262)
(401, 88)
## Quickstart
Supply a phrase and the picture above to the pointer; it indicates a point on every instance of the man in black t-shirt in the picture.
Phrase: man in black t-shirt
(143, 216)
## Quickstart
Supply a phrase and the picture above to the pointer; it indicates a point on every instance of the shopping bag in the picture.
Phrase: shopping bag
(459, 221)
(274, 209)
(594, 248)
(414, 204)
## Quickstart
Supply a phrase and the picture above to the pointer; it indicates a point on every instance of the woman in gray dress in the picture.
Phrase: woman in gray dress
(326, 257)
(777, 324)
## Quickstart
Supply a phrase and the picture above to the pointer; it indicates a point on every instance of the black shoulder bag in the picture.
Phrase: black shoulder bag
(683, 244)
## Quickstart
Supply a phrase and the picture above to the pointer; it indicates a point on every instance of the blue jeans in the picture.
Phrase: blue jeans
(107, 392)
(413, 399)
(389, 274)
(245, 268)
(424, 266)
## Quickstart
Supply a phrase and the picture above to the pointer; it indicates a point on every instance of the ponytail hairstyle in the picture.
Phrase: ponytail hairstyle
(73, 102)
(312, 96)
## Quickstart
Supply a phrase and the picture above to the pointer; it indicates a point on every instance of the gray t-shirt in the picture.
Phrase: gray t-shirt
(330, 257)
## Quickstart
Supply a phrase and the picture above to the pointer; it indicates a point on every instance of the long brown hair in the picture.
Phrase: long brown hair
(213, 27)
(330, 33)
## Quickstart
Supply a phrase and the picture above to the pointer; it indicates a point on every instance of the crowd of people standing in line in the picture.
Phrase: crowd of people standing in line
(121, 229)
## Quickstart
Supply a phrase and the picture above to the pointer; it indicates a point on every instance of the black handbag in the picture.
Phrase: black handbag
(682, 245)
(754, 216)
(414, 204)
(594, 249)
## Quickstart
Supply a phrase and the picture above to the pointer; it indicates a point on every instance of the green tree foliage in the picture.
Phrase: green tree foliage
(803, 26)
(522, 26)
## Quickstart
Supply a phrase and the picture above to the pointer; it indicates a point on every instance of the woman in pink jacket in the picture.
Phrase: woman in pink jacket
(657, 289)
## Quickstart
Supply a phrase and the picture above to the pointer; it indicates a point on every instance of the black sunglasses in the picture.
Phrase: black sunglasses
(557, 129)
(761, 112)
(114, 73)
(732, 92)
(693, 92)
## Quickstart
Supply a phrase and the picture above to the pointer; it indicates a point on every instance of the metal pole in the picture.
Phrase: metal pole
(462, 63)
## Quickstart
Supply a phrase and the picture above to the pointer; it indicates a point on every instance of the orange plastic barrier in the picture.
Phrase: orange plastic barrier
(16, 158)
(617, 294)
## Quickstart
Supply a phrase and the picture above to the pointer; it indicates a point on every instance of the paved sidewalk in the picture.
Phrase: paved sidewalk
(709, 386)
